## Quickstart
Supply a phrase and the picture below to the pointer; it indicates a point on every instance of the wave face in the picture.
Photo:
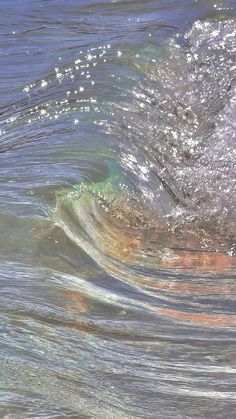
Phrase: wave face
(172, 187)
(117, 220)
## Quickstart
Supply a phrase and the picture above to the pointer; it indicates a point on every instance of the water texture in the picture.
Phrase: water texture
(117, 218)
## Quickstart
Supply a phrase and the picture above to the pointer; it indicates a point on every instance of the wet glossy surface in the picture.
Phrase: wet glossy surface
(117, 221)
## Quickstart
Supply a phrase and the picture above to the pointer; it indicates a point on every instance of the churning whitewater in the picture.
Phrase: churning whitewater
(117, 221)
(175, 130)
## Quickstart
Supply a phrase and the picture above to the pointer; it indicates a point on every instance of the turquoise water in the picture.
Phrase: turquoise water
(117, 221)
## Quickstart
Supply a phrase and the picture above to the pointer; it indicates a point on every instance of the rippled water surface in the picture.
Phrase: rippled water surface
(117, 220)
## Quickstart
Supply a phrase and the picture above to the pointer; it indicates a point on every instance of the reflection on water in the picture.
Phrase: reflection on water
(117, 170)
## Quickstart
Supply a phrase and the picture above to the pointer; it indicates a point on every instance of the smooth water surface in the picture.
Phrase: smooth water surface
(117, 220)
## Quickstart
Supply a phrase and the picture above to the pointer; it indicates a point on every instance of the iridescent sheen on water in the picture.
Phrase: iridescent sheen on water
(117, 257)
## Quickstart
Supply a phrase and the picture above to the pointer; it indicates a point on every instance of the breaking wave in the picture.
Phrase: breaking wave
(167, 206)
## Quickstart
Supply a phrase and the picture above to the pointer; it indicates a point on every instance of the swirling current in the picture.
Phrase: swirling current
(118, 193)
